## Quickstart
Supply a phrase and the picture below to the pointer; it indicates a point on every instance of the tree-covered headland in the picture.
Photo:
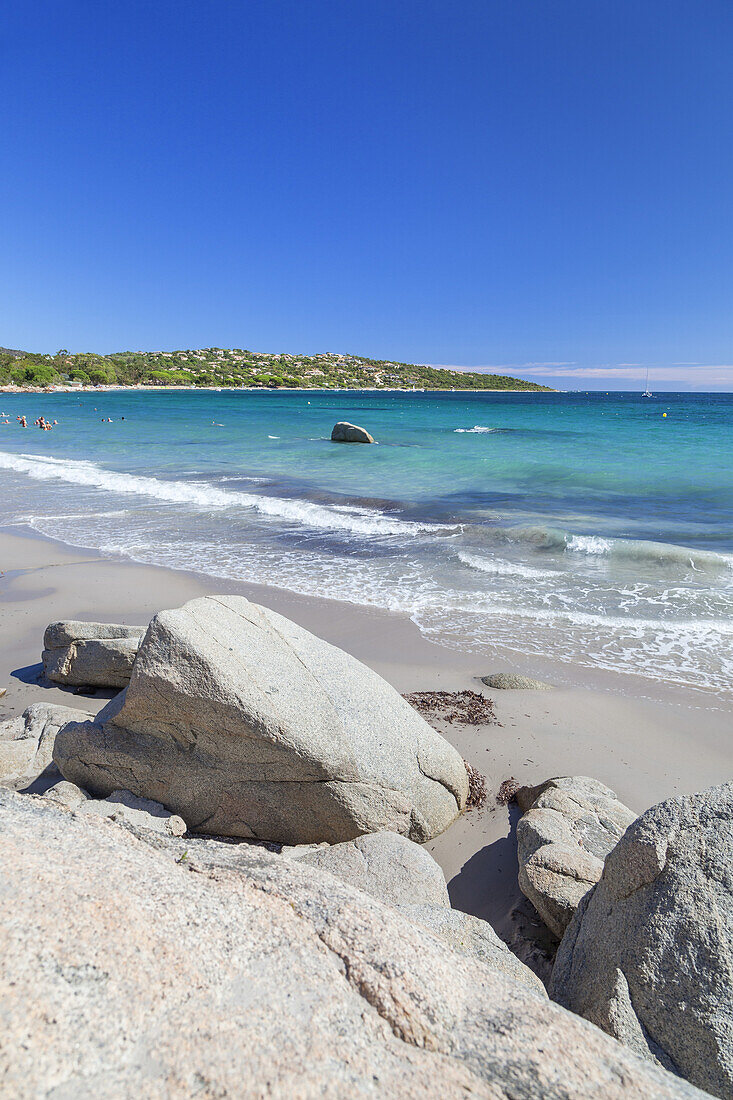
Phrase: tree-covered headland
(207, 367)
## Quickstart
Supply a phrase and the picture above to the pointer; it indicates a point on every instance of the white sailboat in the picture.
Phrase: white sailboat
(647, 392)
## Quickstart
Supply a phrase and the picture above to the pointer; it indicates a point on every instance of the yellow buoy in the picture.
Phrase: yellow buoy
(664, 414)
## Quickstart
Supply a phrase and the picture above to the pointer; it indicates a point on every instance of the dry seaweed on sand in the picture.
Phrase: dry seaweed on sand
(465, 708)
(477, 791)
(507, 791)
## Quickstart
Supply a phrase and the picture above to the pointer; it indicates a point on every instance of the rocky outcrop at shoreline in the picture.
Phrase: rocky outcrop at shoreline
(313, 950)
(512, 681)
(245, 724)
(387, 866)
(142, 965)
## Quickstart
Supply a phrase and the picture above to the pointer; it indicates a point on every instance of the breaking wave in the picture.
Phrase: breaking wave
(204, 496)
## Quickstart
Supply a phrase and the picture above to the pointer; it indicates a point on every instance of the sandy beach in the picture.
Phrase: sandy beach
(645, 749)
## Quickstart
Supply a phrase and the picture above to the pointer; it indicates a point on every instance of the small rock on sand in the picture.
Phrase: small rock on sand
(510, 681)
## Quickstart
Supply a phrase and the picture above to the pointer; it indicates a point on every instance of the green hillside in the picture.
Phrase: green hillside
(237, 367)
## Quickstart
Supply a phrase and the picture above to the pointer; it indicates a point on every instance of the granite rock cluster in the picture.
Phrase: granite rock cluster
(216, 887)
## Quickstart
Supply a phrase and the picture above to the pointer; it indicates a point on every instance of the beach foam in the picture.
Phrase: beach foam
(551, 543)
(203, 495)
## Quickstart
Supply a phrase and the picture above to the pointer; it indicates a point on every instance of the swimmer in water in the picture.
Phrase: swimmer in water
(23, 422)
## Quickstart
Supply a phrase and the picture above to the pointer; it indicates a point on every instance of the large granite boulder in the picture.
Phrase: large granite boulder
(649, 954)
(569, 827)
(245, 724)
(344, 432)
(90, 654)
(386, 866)
(399, 872)
(157, 967)
(26, 742)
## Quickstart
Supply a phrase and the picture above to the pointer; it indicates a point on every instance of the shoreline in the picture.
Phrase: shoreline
(644, 749)
(142, 387)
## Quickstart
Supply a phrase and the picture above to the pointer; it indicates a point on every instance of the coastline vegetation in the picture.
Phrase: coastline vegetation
(222, 367)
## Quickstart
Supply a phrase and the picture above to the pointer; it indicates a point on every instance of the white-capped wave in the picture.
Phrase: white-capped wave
(477, 429)
(205, 496)
(594, 545)
(646, 551)
(503, 568)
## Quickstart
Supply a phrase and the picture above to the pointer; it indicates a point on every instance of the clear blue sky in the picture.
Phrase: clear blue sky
(543, 186)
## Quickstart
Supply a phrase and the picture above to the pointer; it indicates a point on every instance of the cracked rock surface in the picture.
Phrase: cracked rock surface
(90, 654)
(570, 825)
(26, 742)
(169, 968)
(649, 954)
(401, 873)
(244, 724)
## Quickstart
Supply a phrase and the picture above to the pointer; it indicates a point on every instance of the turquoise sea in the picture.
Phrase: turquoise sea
(583, 527)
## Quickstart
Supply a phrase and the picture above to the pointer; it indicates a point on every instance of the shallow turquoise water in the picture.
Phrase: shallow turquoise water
(588, 527)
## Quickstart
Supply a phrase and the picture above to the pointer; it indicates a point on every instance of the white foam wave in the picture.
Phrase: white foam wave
(477, 429)
(593, 545)
(641, 550)
(503, 568)
(205, 496)
(688, 648)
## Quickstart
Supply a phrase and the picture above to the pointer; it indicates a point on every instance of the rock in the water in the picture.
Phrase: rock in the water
(649, 954)
(90, 654)
(125, 974)
(387, 866)
(510, 681)
(343, 432)
(569, 827)
(123, 806)
(245, 724)
(26, 742)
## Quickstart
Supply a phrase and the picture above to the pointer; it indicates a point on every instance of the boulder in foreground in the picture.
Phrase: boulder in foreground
(387, 866)
(344, 432)
(569, 827)
(401, 873)
(90, 654)
(649, 954)
(244, 724)
(125, 974)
